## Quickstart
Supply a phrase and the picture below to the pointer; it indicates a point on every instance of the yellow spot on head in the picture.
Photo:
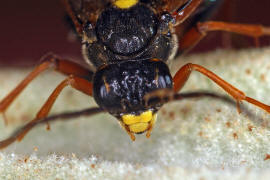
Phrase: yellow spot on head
(145, 117)
(124, 4)
(138, 127)
(139, 123)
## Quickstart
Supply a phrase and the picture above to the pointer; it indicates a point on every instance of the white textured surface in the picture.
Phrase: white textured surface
(202, 138)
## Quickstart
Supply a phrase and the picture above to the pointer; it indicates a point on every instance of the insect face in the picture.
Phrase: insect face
(124, 46)
(120, 88)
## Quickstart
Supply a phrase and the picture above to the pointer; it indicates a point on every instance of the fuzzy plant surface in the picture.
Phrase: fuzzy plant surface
(202, 138)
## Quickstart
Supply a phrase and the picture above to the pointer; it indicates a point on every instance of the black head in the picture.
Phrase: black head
(120, 88)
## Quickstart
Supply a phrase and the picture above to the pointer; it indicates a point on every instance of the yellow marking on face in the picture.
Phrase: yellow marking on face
(138, 127)
(143, 117)
(139, 123)
(124, 4)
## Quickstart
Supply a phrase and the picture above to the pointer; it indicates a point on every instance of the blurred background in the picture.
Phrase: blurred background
(31, 28)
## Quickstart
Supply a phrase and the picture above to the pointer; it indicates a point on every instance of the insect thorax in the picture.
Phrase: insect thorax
(124, 34)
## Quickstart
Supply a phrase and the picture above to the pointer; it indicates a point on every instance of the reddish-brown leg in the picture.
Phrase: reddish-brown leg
(183, 73)
(62, 116)
(195, 34)
(75, 82)
(61, 65)
(228, 13)
(71, 14)
(181, 16)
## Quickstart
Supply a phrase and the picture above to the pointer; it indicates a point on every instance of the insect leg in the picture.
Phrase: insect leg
(74, 19)
(195, 34)
(60, 65)
(75, 82)
(182, 14)
(63, 116)
(183, 73)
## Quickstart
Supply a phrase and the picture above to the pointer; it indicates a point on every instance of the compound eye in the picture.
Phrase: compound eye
(164, 81)
(105, 90)
(162, 75)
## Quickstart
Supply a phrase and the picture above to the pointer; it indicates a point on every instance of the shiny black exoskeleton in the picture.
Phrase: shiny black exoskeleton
(123, 47)
(114, 37)
(119, 88)
(125, 34)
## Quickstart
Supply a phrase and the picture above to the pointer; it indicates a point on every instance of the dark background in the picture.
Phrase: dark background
(31, 28)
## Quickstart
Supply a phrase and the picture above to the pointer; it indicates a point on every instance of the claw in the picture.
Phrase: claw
(238, 106)
(48, 128)
(5, 119)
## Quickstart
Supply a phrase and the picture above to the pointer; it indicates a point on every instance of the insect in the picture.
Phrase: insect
(127, 45)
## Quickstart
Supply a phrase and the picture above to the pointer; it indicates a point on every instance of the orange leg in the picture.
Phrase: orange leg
(62, 116)
(183, 14)
(227, 12)
(184, 72)
(75, 82)
(71, 14)
(195, 34)
(63, 66)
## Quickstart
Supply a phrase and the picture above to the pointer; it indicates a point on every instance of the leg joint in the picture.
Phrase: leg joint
(51, 59)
